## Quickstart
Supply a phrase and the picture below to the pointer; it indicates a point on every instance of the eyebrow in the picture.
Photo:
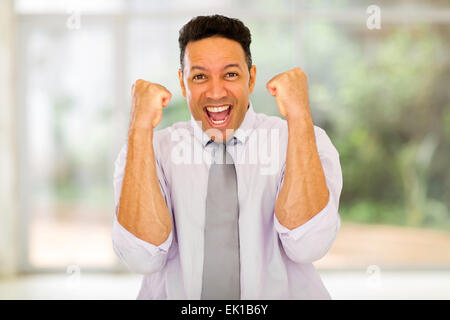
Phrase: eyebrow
(230, 65)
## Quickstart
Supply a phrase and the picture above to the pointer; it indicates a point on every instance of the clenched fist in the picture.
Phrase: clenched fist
(148, 100)
(291, 91)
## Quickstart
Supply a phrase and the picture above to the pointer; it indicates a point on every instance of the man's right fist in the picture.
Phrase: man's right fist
(148, 100)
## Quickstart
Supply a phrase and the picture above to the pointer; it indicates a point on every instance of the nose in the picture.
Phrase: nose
(216, 89)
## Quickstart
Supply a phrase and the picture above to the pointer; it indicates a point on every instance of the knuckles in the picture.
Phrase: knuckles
(295, 74)
(142, 87)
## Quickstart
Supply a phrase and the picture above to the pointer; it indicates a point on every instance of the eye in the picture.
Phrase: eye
(199, 77)
(231, 75)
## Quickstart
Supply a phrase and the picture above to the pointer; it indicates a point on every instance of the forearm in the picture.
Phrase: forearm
(142, 209)
(304, 192)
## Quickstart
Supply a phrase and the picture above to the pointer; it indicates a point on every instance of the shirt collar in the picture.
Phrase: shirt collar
(241, 133)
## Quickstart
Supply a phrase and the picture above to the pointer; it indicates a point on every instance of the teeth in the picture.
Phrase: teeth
(217, 109)
(220, 121)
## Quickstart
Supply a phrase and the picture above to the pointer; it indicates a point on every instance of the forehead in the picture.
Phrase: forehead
(214, 52)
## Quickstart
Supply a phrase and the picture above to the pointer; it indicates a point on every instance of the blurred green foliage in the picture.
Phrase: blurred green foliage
(384, 102)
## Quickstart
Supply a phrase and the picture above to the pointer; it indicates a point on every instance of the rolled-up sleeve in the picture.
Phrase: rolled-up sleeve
(138, 255)
(312, 240)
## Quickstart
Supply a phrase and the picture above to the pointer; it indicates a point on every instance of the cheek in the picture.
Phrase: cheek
(194, 102)
(241, 89)
(188, 94)
(193, 95)
(242, 94)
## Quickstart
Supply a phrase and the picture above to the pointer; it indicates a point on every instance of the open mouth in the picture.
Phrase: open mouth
(218, 116)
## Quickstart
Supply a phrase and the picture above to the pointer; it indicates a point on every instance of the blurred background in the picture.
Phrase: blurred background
(379, 74)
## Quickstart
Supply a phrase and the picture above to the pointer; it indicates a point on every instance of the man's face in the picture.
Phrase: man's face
(217, 84)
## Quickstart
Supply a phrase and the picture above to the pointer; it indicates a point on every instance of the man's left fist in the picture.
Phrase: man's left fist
(291, 91)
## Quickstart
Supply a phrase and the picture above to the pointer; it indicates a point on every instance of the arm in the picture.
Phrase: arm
(143, 220)
(304, 193)
(142, 209)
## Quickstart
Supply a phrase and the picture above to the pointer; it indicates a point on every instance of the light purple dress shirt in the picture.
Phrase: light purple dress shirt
(276, 263)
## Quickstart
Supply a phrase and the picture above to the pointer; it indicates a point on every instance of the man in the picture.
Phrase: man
(223, 226)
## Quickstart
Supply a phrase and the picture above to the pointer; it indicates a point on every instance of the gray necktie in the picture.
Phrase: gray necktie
(221, 266)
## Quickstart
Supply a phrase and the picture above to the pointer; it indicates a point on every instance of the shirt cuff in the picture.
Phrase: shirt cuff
(319, 219)
(131, 241)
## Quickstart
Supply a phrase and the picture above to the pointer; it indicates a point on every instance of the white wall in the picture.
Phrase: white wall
(8, 160)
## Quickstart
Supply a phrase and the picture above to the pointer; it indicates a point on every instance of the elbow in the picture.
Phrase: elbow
(305, 254)
(140, 262)
(156, 265)
(138, 256)
(310, 247)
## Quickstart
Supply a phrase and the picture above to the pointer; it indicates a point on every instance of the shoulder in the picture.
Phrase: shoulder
(269, 122)
(164, 139)
(263, 120)
(164, 136)
(272, 127)
(323, 142)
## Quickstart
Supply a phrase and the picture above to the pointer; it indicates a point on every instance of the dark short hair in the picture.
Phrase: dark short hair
(202, 27)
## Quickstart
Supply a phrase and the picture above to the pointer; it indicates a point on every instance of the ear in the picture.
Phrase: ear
(180, 77)
(252, 81)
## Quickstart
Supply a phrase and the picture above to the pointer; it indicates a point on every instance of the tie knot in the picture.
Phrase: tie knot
(220, 154)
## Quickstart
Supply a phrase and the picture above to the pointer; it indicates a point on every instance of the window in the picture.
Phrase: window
(379, 94)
